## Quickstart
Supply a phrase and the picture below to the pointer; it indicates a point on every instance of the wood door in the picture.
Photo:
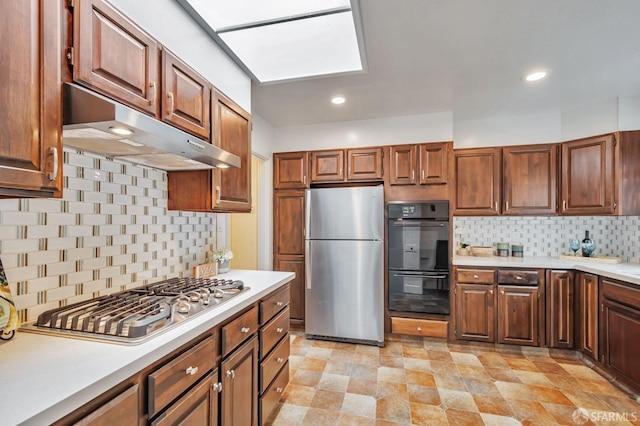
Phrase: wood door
(114, 56)
(290, 170)
(621, 341)
(288, 223)
(295, 265)
(121, 410)
(232, 187)
(402, 160)
(239, 372)
(587, 177)
(434, 163)
(475, 313)
(560, 309)
(327, 166)
(588, 314)
(518, 315)
(186, 97)
(31, 93)
(529, 184)
(364, 164)
(478, 177)
(198, 407)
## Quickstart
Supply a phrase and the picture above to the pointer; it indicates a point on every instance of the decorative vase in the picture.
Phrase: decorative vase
(223, 267)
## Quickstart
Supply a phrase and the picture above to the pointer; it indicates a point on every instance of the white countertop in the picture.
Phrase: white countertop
(46, 377)
(628, 272)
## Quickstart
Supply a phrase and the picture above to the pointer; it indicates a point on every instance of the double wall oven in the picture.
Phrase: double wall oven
(418, 257)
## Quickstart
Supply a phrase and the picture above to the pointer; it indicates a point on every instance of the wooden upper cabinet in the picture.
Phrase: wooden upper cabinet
(587, 180)
(288, 223)
(403, 165)
(327, 166)
(478, 177)
(290, 170)
(529, 184)
(31, 93)
(434, 163)
(232, 127)
(114, 56)
(186, 97)
(364, 164)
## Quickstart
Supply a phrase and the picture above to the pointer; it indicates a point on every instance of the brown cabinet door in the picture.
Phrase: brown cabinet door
(588, 314)
(434, 163)
(402, 159)
(288, 223)
(186, 97)
(290, 170)
(31, 111)
(121, 410)
(364, 164)
(232, 127)
(478, 177)
(114, 56)
(529, 184)
(518, 315)
(587, 180)
(475, 318)
(327, 166)
(296, 265)
(560, 309)
(240, 386)
(621, 341)
(197, 407)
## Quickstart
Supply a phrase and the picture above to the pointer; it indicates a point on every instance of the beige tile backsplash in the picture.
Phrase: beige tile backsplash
(111, 231)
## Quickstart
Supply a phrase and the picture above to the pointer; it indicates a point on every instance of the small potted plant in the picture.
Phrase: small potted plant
(222, 256)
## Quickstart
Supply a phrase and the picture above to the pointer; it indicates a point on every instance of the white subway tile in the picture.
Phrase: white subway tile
(94, 286)
(88, 242)
(78, 231)
(94, 197)
(80, 253)
(44, 205)
(44, 257)
(61, 268)
(19, 218)
(79, 277)
(35, 310)
(25, 301)
(93, 219)
(21, 246)
(91, 264)
(42, 284)
(59, 219)
(108, 272)
(60, 293)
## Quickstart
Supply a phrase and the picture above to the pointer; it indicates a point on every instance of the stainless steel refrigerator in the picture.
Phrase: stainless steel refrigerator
(344, 294)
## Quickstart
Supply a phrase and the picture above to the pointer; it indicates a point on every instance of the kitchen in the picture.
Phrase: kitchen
(119, 212)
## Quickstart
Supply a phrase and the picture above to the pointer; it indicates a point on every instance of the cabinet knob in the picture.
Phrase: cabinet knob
(279, 390)
(217, 387)
(419, 328)
(280, 360)
(476, 276)
(518, 277)
(279, 330)
(191, 371)
(245, 329)
(231, 374)
(501, 291)
(490, 291)
(279, 303)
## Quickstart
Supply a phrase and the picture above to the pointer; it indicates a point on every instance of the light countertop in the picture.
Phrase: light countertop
(628, 272)
(46, 377)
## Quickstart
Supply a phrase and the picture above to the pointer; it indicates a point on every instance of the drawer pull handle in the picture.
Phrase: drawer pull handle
(217, 387)
(419, 328)
(476, 276)
(231, 374)
(191, 371)
(518, 277)
(245, 329)
(279, 390)
(280, 360)
(279, 303)
(279, 330)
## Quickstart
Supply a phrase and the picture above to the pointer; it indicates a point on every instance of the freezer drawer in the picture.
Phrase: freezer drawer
(344, 295)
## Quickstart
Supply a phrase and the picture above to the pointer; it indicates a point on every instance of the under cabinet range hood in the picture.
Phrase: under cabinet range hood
(98, 124)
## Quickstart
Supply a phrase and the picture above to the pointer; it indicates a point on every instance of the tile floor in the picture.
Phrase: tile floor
(415, 381)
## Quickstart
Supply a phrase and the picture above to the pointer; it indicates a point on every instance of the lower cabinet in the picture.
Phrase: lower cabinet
(560, 310)
(197, 407)
(475, 312)
(588, 311)
(518, 315)
(239, 397)
(120, 410)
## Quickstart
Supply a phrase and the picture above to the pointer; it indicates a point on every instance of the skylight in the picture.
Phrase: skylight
(282, 39)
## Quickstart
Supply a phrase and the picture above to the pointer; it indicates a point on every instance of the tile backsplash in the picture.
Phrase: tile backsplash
(549, 236)
(111, 231)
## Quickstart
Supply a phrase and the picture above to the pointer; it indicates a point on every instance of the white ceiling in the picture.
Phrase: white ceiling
(468, 57)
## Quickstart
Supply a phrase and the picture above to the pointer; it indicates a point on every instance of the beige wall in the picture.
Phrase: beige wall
(243, 230)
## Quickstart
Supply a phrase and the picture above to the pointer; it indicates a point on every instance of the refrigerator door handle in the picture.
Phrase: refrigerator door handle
(307, 266)
(307, 213)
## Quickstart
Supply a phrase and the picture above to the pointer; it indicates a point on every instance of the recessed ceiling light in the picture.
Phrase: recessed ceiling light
(535, 76)
(337, 100)
(122, 131)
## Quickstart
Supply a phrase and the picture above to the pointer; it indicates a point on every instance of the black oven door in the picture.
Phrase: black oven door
(424, 292)
(418, 244)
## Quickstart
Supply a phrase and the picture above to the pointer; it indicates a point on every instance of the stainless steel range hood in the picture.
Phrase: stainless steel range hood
(91, 122)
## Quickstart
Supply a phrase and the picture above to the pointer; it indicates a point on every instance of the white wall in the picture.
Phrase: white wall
(262, 143)
(375, 132)
(629, 113)
(167, 22)
(589, 120)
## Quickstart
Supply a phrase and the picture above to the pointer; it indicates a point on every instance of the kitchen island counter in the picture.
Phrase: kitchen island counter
(627, 272)
(48, 377)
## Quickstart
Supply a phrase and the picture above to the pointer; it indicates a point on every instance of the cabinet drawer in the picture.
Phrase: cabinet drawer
(519, 277)
(274, 304)
(476, 276)
(272, 364)
(169, 381)
(238, 330)
(272, 395)
(419, 327)
(273, 332)
(620, 293)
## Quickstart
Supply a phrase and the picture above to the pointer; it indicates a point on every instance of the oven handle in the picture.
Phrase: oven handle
(434, 277)
(416, 223)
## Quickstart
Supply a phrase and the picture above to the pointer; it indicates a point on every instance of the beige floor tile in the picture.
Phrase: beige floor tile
(360, 405)
(333, 382)
(328, 400)
(320, 353)
(423, 414)
(390, 374)
(298, 395)
(392, 390)
(395, 361)
(341, 368)
(550, 394)
(463, 418)
(450, 382)
(424, 395)
(494, 420)
(364, 371)
(419, 353)
(287, 415)
(503, 375)
(533, 411)
(473, 372)
(362, 386)
(417, 365)
(420, 378)
(533, 378)
(306, 378)
(562, 414)
(581, 371)
(439, 355)
(312, 364)
(457, 400)
(465, 358)
(493, 405)
(340, 355)
(396, 409)
(366, 359)
(587, 400)
(481, 387)
(368, 349)
(347, 419)
(515, 391)
(441, 367)
(320, 417)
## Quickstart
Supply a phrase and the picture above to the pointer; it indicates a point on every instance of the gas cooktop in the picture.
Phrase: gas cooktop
(136, 315)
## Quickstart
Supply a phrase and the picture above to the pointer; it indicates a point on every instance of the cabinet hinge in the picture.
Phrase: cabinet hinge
(615, 205)
(455, 290)
(615, 140)
(70, 55)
